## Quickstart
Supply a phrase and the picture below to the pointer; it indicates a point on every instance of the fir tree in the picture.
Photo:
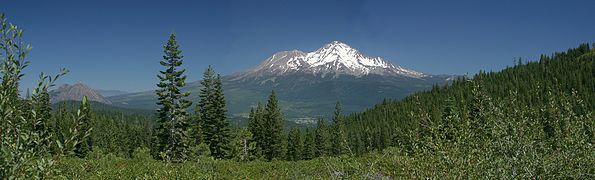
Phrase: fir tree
(215, 125)
(196, 133)
(171, 135)
(338, 129)
(309, 150)
(256, 127)
(322, 139)
(273, 128)
(295, 145)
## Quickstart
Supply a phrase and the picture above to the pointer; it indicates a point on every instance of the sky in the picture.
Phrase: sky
(117, 44)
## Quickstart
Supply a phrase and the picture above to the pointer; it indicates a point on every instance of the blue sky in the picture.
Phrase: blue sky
(118, 44)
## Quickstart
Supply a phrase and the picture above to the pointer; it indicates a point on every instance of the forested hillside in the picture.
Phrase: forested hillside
(541, 92)
(533, 119)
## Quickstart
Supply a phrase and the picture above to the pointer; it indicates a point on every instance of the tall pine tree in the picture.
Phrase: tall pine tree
(256, 127)
(322, 139)
(338, 129)
(273, 128)
(309, 150)
(295, 145)
(215, 126)
(171, 135)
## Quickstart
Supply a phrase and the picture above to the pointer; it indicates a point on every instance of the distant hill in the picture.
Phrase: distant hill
(76, 92)
(108, 93)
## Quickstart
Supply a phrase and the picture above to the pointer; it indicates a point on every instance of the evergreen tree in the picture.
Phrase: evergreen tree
(338, 138)
(273, 128)
(322, 139)
(256, 127)
(196, 133)
(172, 136)
(295, 145)
(309, 150)
(215, 125)
(450, 121)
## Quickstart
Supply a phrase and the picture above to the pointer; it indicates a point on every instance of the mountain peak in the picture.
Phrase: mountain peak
(335, 58)
(76, 92)
(337, 44)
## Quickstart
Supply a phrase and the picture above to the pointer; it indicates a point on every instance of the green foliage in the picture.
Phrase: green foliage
(322, 139)
(295, 145)
(244, 146)
(199, 151)
(25, 139)
(267, 125)
(213, 121)
(171, 134)
(532, 120)
(338, 139)
(309, 151)
(85, 145)
(256, 127)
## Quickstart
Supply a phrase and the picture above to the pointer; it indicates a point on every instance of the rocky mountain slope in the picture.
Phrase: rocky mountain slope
(76, 92)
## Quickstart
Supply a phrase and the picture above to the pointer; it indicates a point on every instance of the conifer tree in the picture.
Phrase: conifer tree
(256, 127)
(338, 129)
(273, 128)
(171, 135)
(322, 139)
(196, 133)
(309, 150)
(295, 145)
(450, 121)
(479, 111)
(215, 126)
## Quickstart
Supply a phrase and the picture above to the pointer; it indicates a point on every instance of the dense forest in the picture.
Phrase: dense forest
(532, 120)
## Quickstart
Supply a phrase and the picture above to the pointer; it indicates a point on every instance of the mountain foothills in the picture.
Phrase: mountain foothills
(309, 84)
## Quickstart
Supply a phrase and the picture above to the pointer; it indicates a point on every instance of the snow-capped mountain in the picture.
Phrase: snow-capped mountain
(335, 58)
(309, 85)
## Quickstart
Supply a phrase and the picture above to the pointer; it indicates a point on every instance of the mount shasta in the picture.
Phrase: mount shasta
(309, 84)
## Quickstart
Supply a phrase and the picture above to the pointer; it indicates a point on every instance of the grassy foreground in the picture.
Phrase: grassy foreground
(389, 164)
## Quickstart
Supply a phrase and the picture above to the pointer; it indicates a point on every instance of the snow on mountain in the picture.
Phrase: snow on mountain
(335, 58)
